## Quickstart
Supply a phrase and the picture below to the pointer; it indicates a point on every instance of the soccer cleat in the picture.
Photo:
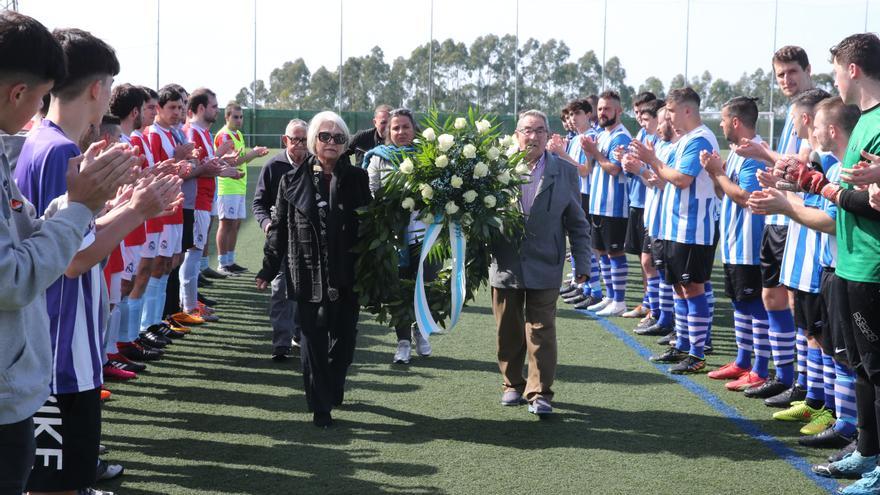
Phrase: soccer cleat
(133, 350)
(188, 318)
(637, 312)
(206, 301)
(672, 355)
(128, 364)
(423, 346)
(107, 471)
(826, 439)
(105, 394)
(799, 411)
(788, 397)
(745, 381)
(840, 454)
(868, 485)
(176, 325)
(211, 273)
(655, 331)
(616, 308)
(667, 339)
(576, 298)
(404, 351)
(729, 371)
(689, 366)
(93, 491)
(768, 389)
(322, 419)
(586, 303)
(646, 322)
(113, 370)
(226, 271)
(236, 268)
(152, 340)
(818, 423)
(851, 466)
(207, 316)
(567, 288)
(165, 331)
(601, 304)
(280, 354)
(204, 282)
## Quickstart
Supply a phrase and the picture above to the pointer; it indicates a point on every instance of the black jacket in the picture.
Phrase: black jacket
(362, 142)
(294, 231)
(267, 186)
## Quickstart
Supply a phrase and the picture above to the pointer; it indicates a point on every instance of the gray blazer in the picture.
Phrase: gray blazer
(536, 259)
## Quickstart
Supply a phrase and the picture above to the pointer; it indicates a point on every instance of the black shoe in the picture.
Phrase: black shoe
(280, 354)
(840, 454)
(165, 331)
(322, 419)
(153, 340)
(207, 301)
(212, 273)
(667, 339)
(126, 365)
(107, 471)
(204, 282)
(689, 366)
(586, 303)
(672, 355)
(785, 398)
(708, 349)
(828, 439)
(575, 299)
(766, 390)
(567, 289)
(102, 449)
(237, 268)
(655, 330)
(140, 353)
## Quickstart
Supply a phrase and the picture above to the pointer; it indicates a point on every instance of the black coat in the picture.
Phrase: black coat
(362, 142)
(295, 227)
(267, 186)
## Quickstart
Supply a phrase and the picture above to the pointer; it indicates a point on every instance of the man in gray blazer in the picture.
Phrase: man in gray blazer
(524, 274)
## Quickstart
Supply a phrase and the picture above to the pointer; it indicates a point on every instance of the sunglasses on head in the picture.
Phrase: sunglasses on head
(326, 137)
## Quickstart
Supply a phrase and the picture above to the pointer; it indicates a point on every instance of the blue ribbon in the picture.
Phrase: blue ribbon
(424, 318)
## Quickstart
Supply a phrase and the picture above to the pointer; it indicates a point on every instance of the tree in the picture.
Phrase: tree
(615, 78)
(323, 90)
(719, 92)
(289, 85)
(245, 96)
(590, 71)
(653, 85)
(677, 82)
(825, 80)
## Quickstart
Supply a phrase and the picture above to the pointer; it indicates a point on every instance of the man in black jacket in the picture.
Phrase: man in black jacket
(285, 332)
(367, 139)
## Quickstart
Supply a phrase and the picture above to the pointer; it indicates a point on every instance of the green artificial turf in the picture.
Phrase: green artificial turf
(216, 415)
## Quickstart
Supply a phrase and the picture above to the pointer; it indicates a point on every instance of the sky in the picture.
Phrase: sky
(211, 42)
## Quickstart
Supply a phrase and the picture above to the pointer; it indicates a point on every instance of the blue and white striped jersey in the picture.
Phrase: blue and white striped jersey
(741, 230)
(578, 155)
(828, 242)
(653, 195)
(688, 216)
(789, 144)
(608, 194)
(637, 188)
(801, 261)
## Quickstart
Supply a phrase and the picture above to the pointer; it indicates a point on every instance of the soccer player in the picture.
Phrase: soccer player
(231, 192)
(687, 228)
(609, 203)
(740, 238)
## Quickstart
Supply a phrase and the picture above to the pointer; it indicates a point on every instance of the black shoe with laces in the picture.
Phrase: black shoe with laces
(667, 339)
(672, 355)
(207, 301)
(689, 366)
(153, 340)
(567, 289)
(578, 297)
(827, 439)
(322, 419)
(586, 303)
(237, 268)
(164, 331)
(655, 330)
(280, 354)
(212, 273)
(783, 400)
(766, 390)
(138, 352)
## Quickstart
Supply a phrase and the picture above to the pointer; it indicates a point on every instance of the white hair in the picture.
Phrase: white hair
(319, 120)
(293, 124)
(536, 114)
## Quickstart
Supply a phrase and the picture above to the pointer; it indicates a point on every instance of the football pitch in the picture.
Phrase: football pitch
(216, 415)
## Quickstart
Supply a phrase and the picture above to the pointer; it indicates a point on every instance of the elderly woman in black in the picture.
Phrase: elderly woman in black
(315, 226)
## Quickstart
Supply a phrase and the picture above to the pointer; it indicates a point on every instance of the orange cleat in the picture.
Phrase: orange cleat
(729, 371)
(746, 381)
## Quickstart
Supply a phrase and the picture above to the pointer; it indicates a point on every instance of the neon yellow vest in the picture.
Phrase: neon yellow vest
(225, 185)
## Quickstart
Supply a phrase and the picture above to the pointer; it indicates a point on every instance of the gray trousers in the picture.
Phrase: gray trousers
(282, 311)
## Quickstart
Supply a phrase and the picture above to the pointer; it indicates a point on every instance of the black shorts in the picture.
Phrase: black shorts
(832, 337)
(808, 315)
(585, 205)
(16, 455)
(688, 263)
(772, 248)
(189, 221)
(742, 282)
(646, 243)
(657, 254)
(609, 233)
(858, 304)
(635, 231)
(76, 420)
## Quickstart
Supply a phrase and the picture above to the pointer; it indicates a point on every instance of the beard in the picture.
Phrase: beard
(607, 121)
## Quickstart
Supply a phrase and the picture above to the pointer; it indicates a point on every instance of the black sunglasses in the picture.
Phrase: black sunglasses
(296, 140)
(325, 137)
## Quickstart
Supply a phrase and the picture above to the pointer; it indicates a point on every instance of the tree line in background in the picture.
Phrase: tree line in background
(482, 76)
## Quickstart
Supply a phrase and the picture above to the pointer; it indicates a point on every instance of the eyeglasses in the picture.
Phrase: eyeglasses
(296, 140)
(528, 130)
(325, 137)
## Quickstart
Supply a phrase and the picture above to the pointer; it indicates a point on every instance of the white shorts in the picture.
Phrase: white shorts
(131, 258)
(171, 240)
(114, 290)
(231, 207)
(201, 224)
(151, 247)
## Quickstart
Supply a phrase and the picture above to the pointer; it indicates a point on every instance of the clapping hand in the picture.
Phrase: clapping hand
(712, 162)
(864, 172)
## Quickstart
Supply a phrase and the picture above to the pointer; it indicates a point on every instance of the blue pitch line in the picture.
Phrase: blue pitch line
(746, 425)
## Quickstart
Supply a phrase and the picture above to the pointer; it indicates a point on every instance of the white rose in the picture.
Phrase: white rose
(427, 219)
(503, 177)
(469, 151)
(512, 150)
(480, 170)
(522, 168)
(489, 201)
(451, 208)
(427, 191)
(470, 196)
(444, 141)
(483, 126)
(456, 181)
(429, 134)
(408, 204)
(406, 166)
(460, 123)
(493, 153)
(441, 161)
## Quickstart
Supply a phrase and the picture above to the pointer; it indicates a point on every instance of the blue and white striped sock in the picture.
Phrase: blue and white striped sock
(710, 298)
(828, 378)
(681, 324)
(815, 377)
(782, 337)
(667, 310)
(605, 265)
(845, 399)
(742, 330)
(801, 345)
(595, 283)
(619, 272)
(698, 324)
(760, 337)
(653, 295)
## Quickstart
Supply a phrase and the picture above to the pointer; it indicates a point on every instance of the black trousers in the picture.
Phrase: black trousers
(17, 448)
(329, 334)
(858, 305)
